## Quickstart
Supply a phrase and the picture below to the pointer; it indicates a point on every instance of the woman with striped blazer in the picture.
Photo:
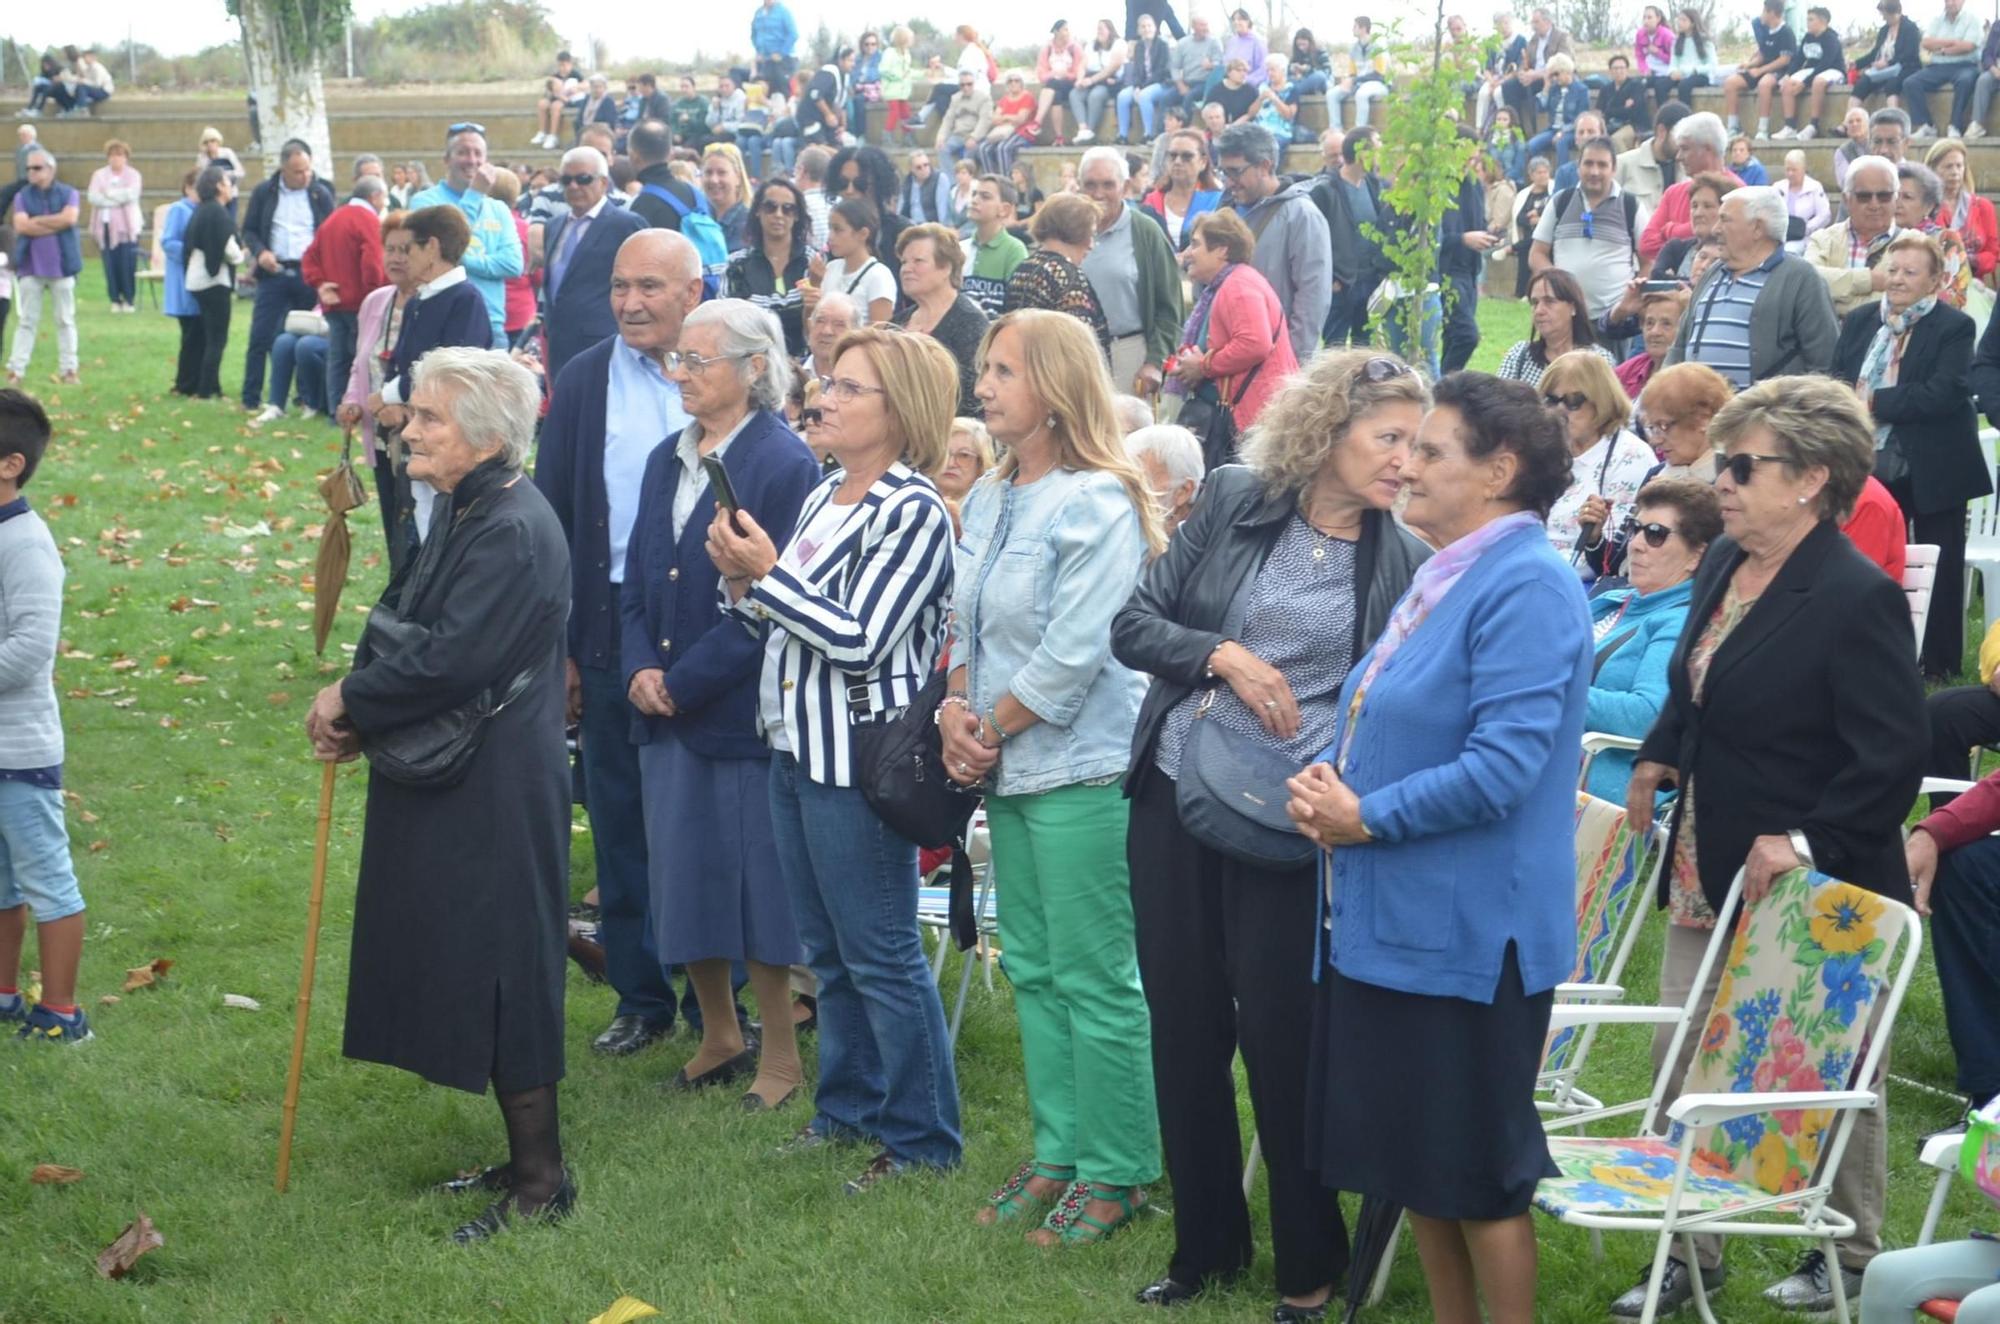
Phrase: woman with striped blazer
(852, 610)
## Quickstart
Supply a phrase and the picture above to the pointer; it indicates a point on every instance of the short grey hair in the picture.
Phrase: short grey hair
(1862, 164)
(1177, 450)
(1927, 180)
(1766, 206)
(1110, 156)
(1818, 422)
(1133, 413)
(369, 187)
(1703, 128)
(1895, 115)
(749, 330)
(494, 400)
(590, 156)
(834, 301)
(1252, 142)
(366, 158)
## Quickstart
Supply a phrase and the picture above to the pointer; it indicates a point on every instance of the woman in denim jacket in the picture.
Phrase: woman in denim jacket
(1054, 542)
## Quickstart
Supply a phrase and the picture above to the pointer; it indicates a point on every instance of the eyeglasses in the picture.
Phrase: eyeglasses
(1381, 369)
(1184, 156)
(1656, 535)
(1234, 173)
(1743, 464)
(464, 126)
(584, 180)
(845, 389)
(777, 208)
(694, 364)
(395, 250)
(1572, 402)
(1661, 427)
(1873, 195)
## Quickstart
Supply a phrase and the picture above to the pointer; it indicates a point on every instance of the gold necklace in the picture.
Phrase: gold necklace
(1326, 536)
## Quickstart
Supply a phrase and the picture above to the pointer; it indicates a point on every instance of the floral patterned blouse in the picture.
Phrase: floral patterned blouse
(1047, 279)
(1686, 904)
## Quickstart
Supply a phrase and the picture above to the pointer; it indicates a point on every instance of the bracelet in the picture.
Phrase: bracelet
(993, 720)
(952, 700)
(1208, 667)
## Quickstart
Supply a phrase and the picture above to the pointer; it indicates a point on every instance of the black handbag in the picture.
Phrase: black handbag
(1231, 797)
(437, 751)
(899, 764)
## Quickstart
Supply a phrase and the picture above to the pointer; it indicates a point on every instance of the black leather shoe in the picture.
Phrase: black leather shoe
(1164, 1291)
(741, 1067)
(499, 1177)
(504, 1212)
(1287, 1313)
(629, 1034)
(753, 1102)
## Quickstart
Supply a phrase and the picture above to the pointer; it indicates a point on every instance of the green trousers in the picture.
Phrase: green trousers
(1065, 903)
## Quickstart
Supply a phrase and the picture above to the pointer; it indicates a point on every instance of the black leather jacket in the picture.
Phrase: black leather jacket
(1194, 596)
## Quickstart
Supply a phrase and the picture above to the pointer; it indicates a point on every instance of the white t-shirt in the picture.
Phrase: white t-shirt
(826, 526)
(1614, 469)
(870, 281)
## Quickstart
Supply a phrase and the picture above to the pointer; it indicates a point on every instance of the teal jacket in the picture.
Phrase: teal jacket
(1631, 681)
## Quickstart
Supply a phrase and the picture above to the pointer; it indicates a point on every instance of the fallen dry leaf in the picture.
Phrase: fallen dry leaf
(108, 1000)
(139, 1236)
(139, 976)
(54, 1174)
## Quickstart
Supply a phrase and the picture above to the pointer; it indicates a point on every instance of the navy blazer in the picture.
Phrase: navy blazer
(579, 315)
(569, 468)
(455, 315)
(671, 610)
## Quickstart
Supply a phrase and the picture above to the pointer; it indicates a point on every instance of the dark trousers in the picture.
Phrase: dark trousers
(6, 307)
(1943, 651)
(1961, 719)
(1965, 939)
(618, 837)
(341, 332)
(278, 292)
(214, 304)
(1521, 100)
(187, 368)
(1461, 321)
(1668, 88)
(1226, 955)
(1347, 315)
(121, 267)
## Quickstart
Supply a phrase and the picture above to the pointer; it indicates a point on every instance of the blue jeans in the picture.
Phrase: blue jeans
(618, 840)
(35, 867)
(1347, 315)
(1965, 939)
(1553, 145)
(1312, 85)
(305, 358)
(278, 292)
(885, 1067)
(121, 265)
(1959, 76)
(1461, 322)
(1148, 100)
(341, 331)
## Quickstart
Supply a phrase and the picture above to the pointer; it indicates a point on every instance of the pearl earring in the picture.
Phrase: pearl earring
(1802, 501)
(1050, 422)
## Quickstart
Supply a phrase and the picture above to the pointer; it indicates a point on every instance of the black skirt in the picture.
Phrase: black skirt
(1429, 1101)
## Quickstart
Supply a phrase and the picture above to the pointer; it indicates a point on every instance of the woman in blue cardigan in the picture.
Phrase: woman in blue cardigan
(1446, 804)
(1637, 628)
(718, 894)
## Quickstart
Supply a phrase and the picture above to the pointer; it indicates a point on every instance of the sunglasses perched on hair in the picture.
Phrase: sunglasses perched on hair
(1572, 402)
(1381, 369)
(465, 126)
(1742, 465)
(584, 180)
(1656, 535)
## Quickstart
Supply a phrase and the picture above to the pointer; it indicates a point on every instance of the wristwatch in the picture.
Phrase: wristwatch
(1801, 848)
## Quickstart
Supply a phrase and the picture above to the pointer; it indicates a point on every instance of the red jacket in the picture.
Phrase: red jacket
(1672, 219)
(1981, 234)
(1877, 530)
(1246, 327)
(347, 251)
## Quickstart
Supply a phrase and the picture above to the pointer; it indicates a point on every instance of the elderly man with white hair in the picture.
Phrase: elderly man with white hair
(582, 245)
(1760, 312)
(47, 257)
(459, 925)
(1700, 145)
(835, 315)
(610, 406)
(1131, 269)
(1848, 253)
(1171, 457)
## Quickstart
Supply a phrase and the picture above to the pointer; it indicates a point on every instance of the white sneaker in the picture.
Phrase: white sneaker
(307, 411)
(1085, 135)
(1919, 134)
(1763, 129)
(268, 414)
(1974, 131)
(1785, 134)
(1735, 126)
(1807, 134)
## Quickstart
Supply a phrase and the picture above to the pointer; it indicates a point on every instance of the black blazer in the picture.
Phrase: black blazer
(1814, 717)
(579, 315)
(1193, 596)
(1929, 409)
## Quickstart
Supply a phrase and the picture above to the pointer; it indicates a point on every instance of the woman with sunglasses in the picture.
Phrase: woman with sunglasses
(771, 271)
(1560, 316)
(1284, 575)
(1190, 190)
(1638, 627)
(1794, 731)
(1608, 464)
(1907, 355)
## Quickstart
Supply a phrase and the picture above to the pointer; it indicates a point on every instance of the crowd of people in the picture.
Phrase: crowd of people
(827, 451)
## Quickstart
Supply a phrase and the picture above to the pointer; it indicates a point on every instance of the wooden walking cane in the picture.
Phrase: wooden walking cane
(291, 1113)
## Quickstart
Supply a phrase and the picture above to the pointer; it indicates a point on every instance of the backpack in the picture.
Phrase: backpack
(1564, 198)
(701, 230)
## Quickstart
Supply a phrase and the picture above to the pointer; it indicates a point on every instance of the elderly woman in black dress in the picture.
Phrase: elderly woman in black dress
(459, 924)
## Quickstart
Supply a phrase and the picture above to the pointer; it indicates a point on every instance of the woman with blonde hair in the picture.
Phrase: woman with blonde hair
(1607, 462)
(726, 185)
(853, 603)
(1963, 209)
(1040, 715)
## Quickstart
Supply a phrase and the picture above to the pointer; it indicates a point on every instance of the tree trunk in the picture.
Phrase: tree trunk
(290, 96)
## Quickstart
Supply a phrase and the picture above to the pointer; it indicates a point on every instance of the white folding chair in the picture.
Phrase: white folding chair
(934, 913)
(1982, 537)
(1920, 563)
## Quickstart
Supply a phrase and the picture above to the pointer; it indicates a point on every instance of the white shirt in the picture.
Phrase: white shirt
(870, 281)
(826, 527)
(694, 479)
(641, 410)
(291, 223)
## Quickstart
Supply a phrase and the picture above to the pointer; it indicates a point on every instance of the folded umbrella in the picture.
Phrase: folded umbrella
(341, 487)
(1373, 1241)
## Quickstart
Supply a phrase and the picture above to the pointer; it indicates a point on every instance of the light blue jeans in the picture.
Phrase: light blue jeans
(35, 867)
(1899, 1281)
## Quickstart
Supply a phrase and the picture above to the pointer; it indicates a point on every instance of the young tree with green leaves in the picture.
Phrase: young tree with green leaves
(282, 44)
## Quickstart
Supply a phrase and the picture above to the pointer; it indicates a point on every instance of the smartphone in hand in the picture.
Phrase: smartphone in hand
(725, 495)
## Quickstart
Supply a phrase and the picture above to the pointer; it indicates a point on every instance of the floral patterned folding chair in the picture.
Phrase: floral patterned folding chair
(1750, 1144)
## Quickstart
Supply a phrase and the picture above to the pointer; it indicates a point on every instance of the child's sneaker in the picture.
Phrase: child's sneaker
(44, 1025)
(13, 1009)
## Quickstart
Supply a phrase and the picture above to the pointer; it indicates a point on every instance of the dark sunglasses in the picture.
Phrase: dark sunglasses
(1380, 369)
(464, 126)
(1574, 401)
(1656, 535)
(1873, 195)
(584, 180)
(1742, 465)
(777, 208)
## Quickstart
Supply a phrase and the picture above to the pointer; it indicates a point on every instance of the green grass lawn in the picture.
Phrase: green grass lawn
(188, 666)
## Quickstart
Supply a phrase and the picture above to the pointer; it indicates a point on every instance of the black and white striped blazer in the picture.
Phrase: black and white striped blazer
(863, 618)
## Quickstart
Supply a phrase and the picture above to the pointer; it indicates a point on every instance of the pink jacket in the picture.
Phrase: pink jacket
(1652, 55)
(1246, 327)
(368, 324)
(114, 206)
